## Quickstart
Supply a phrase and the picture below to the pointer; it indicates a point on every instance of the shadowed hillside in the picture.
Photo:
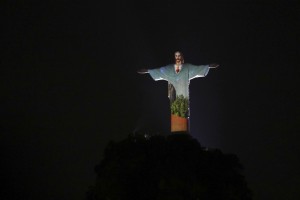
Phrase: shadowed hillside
(167, 167)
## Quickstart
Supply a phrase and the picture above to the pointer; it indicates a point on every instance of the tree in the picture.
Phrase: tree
(180, 106)
(167, 167)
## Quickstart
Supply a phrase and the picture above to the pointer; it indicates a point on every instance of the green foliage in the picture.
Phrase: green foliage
(180, 106)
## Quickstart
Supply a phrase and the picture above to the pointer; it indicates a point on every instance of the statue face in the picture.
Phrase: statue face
(178, 57)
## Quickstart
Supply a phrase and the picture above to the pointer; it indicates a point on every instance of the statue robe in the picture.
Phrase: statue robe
(179, 82)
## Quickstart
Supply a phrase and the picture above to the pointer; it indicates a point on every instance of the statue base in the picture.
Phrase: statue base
(179, 124)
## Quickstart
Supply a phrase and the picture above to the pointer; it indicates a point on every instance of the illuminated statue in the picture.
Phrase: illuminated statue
(178, 76)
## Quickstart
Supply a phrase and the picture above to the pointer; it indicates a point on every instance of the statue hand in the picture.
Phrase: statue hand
(142, 71)
(213, 65)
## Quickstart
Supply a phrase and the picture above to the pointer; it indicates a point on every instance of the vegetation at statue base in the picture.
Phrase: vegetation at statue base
(180, 106)
(173, 167)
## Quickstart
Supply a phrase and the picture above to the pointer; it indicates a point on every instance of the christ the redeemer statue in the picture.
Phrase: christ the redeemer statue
(178, 76)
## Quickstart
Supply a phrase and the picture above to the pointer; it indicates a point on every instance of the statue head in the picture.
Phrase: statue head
(179, 57)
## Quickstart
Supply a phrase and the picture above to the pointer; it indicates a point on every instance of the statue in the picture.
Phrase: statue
(178, 76)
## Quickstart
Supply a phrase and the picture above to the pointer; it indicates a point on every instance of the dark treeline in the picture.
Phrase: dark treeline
(167, 167)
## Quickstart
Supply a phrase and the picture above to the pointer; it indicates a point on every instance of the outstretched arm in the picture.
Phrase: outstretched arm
(143, 71)
(213, 65)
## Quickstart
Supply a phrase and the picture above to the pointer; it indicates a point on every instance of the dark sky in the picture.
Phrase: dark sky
(69, 86)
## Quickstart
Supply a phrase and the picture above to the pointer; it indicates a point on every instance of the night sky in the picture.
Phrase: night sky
(69, 86)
